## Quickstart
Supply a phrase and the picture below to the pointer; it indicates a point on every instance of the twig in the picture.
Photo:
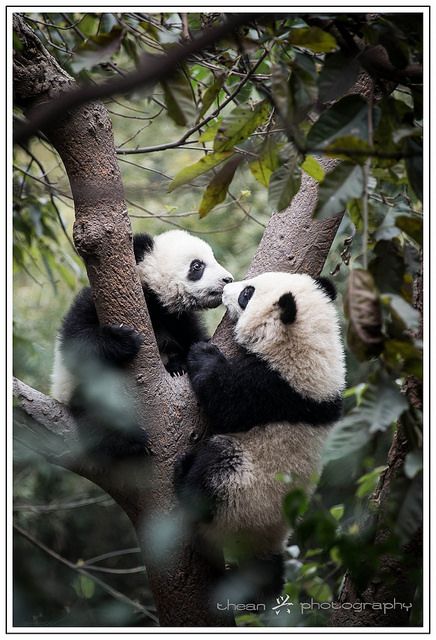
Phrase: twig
(112, 554)
(203, 123)
(63, 506)
(77, 567)
(50, 187)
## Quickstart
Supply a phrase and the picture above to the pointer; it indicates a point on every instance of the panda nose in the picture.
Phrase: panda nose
(227, 279)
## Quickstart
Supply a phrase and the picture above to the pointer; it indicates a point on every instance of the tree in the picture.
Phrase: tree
(330, 106)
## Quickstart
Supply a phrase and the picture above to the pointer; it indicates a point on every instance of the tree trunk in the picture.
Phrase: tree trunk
(182, 582)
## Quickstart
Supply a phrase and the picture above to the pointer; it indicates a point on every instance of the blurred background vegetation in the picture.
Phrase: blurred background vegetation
(76, 561)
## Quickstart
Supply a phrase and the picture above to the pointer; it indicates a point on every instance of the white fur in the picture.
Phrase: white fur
(62, 381)
(250, 500)
(308, 353)
(165, 269)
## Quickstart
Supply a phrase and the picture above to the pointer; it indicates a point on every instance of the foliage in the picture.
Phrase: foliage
(239, 124)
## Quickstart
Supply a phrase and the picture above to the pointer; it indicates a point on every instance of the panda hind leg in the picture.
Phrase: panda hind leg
(201, 474)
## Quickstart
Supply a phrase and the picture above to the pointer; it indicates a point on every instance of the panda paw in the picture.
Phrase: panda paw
(121, 343)
(176, 367)
(203, 355)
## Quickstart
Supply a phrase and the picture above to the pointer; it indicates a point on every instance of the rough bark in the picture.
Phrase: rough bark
(103, 237)
(292, 242)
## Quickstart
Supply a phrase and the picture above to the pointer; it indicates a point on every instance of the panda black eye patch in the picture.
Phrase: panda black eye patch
(245, 296)
(196, 270)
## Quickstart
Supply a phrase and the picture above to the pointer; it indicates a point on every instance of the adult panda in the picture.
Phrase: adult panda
(180, 276)
(271, 408)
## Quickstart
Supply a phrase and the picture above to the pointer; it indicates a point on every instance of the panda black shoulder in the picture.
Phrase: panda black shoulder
(142, 244)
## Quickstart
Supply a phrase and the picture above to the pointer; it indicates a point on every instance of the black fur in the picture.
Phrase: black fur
(243, 392)
(83, 340)
(175, 333)
(91, 352)
(142, 244)
(289, 308)
(327, 286)
(193, 473)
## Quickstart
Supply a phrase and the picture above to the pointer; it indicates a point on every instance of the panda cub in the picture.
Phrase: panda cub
(179, 276)
(271, 408)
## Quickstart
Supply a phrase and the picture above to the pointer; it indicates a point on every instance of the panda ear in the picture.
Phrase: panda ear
(327, 286)
(289, 308)
(142, 243)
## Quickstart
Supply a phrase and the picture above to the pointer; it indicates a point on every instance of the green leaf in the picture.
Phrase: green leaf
(347, 117)
(97, 49)
(303, 87)
(338, 74)
(338, 187)
(239, 124)
(198, 168)
(312, 38)
(312, 167)
(284, 184)
(368, 482)
(218, 186)
(107, 22)
(382, 404)
(267, 163)
(211, 93)
(403, 357)
(349, 435)
(412, 225)
(178, 99)
(211, 131)
(318, 590)
(413, 463)
(84, 587)
(344, 147)
(295, 504)
(387, 266)
(409, 316)
(337, 511)
(89, 24)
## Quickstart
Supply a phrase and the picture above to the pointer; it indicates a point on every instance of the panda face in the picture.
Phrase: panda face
(289, 320)
(182, 270)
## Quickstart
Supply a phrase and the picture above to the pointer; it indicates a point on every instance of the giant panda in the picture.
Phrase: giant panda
(270, 409)
(180, 276)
